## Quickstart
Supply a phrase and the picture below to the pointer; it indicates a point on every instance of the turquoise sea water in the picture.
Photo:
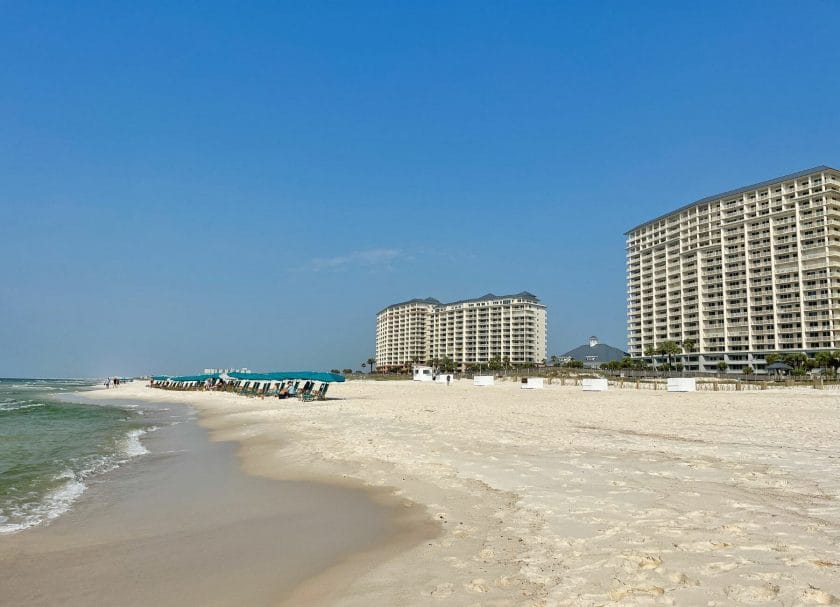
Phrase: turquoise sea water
(50, 449)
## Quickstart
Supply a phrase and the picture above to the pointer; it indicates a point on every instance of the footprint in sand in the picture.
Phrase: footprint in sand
(642, 561)
(506, 582)
(636, 591)
(718, 567)
(477, 586)
(441, 591)
(815, 596)
(752, 594)
(681, 579)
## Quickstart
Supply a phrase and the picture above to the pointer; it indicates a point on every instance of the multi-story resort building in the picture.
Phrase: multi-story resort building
(741, 274)
(469, 332)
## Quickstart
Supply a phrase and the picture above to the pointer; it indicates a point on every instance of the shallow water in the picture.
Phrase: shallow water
(51, 449)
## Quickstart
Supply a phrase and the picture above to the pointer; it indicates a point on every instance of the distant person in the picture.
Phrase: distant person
(108, 383)
(448, 379)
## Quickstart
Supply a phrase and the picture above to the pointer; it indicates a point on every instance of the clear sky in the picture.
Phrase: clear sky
(192, 184)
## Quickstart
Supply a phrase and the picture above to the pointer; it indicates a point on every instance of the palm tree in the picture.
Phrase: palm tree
(651, 351)
(797, 360)
(688, 346)
(371, 364)
(669, 349)
(823, 360)
(835, 361)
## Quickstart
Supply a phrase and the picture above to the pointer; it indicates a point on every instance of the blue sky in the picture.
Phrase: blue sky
(206, 184)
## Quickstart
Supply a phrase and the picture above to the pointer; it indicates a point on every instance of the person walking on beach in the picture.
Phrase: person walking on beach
(107, 382)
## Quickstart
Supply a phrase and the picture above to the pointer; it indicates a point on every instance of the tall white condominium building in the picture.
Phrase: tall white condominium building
(471, 331)
(741, 274)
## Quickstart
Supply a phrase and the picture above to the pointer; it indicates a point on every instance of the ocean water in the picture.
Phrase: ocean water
(51, 449)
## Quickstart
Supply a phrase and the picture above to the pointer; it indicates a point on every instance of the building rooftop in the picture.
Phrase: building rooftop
(742, 190)
(489, 297)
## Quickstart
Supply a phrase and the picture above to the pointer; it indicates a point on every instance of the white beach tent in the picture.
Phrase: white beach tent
(422, 373)
(682, 384)
(532, 383)
(595, 385)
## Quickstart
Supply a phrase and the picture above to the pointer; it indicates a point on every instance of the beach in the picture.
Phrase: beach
(180, 523)
(560, 497)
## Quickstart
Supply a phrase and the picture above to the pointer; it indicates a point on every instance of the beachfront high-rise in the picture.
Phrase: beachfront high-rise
(742, 274)
(469, 332)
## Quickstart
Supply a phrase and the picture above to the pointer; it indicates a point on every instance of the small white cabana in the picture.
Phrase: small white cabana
(532, 383)
(595, 385)
(422, 373)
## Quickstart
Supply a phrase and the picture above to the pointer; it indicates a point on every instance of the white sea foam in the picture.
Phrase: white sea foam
(16, 405)
(51, 506)
(61, 499)
(132, 446)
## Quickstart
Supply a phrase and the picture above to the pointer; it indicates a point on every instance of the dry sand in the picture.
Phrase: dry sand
(560, 497)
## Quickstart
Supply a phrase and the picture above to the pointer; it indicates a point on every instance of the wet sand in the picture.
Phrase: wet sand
(184, 525)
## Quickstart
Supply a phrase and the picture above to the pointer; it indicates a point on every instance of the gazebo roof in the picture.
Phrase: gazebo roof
(779, 367)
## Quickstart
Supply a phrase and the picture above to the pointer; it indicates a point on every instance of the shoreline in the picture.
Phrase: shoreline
(185, 524)
(257, 454)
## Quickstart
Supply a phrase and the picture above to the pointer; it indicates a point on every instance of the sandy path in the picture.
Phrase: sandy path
(559, 497)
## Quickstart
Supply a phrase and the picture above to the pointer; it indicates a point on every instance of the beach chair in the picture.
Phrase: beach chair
(322, 395)
(319, 394)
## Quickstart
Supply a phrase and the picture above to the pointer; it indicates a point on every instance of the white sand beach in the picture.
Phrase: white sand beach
(560, 497)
